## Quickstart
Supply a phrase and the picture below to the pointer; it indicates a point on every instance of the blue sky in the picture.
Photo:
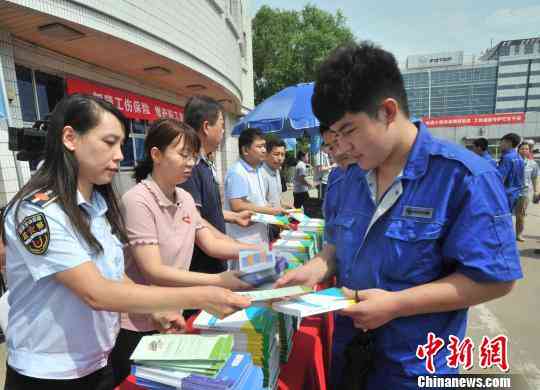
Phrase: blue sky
(423, 27)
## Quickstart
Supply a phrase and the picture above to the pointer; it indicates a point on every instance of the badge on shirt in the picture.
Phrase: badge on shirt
(34, 233)
(418, 212)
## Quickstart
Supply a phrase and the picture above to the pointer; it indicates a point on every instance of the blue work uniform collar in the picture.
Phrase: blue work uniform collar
(509, 151)
(248, 167)
(97, 205)
(417, 162)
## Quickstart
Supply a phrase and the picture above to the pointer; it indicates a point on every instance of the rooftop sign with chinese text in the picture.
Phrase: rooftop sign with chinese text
(133, 106)
(475, 120)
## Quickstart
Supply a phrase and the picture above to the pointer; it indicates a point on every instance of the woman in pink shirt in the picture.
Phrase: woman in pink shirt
(163, 224)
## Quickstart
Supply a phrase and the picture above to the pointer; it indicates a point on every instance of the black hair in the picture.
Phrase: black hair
(60, 170)
(273, 141)
(323, 128)
(513, 138)
(199, 109)
(481, 143)
(300, 155)
(161, 134)
(525, 143)
(357, 77)
(247, 137)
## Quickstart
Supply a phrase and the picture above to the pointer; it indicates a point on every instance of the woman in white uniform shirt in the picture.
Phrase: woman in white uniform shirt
(64, 236)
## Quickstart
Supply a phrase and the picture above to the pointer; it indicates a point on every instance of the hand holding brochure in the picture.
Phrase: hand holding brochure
(331, 299)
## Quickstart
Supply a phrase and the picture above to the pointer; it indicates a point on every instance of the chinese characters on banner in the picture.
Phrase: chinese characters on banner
(475, 120)
(492, 352)
(133, 106)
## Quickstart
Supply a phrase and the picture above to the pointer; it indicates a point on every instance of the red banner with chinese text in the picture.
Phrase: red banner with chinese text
(133, 106)
(475, 120)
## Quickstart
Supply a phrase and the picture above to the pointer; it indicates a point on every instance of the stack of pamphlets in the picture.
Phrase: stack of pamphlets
(239, 373)
(192, 362)
(301, 249)
(301, 235)
(287, 327)
(255, 331)
(314, 226)
(323, 301)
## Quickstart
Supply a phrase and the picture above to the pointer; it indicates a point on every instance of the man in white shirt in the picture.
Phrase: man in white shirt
(245, 188)
(301, 185)
(322, 165)
(275, 156)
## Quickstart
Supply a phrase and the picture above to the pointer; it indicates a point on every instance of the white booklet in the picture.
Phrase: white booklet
(323, 301)
(276, 293)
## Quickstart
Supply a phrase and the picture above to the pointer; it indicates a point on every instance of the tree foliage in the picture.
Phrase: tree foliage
(288, 45)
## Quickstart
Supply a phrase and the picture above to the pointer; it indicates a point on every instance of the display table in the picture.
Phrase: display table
(307, 365)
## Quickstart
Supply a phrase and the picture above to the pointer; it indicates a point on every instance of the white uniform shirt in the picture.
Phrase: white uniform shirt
(244, 181)
(272, 182)
(52, 334)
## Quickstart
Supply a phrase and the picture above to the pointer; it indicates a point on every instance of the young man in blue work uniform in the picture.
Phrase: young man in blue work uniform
(512, 168)
(426, 234)
(480, 147)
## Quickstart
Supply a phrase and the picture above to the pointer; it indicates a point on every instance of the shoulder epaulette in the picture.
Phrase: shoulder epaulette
(42, 199)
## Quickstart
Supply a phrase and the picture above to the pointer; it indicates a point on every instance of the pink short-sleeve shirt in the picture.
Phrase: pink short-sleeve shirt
(152, 219)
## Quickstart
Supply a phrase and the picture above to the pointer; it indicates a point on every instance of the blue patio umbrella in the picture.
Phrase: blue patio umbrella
(287, 113)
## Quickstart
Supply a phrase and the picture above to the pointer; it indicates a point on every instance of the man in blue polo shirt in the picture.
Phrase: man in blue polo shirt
(426, 234)
(511, 168)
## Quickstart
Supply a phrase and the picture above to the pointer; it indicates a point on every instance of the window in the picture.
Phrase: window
(38, 92)
(133, 148)
(504, 51)
(26, 93)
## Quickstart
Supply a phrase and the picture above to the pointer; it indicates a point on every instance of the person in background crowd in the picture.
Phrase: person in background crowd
(64, 237)
(245, 187)
(205, 115)
(529, 190)
(275, 156)
(163, 224)
(512, 168)
(336, 179)
(271, 167)
(425, 233)
(301, 185)
(322, 167)
(480, 147)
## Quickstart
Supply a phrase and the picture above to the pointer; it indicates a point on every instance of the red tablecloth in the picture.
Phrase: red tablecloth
(307, 366)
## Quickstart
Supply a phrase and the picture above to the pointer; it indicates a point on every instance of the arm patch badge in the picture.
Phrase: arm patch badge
(34, 233)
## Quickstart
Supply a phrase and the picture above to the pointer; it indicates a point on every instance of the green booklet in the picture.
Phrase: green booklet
(182, 348)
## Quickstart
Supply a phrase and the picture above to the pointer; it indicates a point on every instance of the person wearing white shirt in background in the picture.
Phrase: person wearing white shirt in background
(245, 187)
(322, 167)
(301, 185)
(530, 186)
(275, 156)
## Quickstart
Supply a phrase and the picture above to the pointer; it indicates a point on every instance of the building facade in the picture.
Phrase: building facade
(147, 58)
(504, 79)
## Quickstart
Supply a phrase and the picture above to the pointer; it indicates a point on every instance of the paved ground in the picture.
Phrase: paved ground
(516, 315)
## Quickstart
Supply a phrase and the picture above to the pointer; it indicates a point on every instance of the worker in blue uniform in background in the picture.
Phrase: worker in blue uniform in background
(480, 147)
(512, 168)
(425, 234)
